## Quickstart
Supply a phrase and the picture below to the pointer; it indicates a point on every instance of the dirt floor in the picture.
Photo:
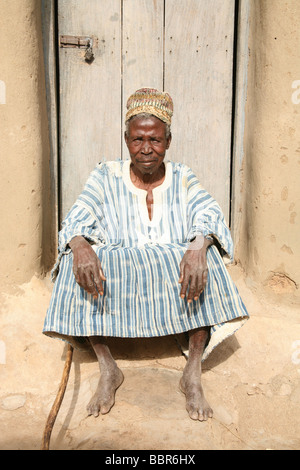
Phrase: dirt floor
(252, 381)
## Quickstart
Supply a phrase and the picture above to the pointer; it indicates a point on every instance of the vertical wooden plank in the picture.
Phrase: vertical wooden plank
(90, 105)
(142, 55)
(198, 75)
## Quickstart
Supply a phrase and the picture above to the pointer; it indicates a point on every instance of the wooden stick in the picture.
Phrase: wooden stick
(58, 400)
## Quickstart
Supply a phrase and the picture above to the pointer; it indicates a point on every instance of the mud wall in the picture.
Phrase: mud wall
(25, 238)
(269, 248)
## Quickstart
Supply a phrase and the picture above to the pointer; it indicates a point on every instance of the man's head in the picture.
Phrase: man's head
(148, 133)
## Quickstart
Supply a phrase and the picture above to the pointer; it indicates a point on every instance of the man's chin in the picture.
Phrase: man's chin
(147, 168)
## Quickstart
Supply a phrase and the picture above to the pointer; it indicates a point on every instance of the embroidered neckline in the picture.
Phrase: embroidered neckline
(142, 193)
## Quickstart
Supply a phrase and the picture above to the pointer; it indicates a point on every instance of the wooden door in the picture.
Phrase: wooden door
(183, 47)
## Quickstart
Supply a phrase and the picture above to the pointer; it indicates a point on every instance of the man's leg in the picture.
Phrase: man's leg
(111, 378)
(190, 383)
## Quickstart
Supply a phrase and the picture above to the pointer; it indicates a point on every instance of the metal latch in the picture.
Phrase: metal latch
(80, 42)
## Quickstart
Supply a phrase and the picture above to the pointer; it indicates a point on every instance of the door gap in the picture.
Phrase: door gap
(234, 90)
(58, 119)
(164, 43)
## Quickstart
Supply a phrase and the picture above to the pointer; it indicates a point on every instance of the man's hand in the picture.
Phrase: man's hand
(193, 269)
(87, 267)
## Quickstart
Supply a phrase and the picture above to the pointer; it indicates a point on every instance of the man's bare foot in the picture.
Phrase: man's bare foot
(104, 398)
(196, 404)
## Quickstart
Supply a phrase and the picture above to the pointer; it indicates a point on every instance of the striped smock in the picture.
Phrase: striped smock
(140, 259)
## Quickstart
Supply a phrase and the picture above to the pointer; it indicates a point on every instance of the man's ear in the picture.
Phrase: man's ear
(126, 137)
(169, 140)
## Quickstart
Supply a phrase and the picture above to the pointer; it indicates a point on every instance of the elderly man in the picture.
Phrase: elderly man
(138, 258)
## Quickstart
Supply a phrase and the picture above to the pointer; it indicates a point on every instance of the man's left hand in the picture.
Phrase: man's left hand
(193, 269)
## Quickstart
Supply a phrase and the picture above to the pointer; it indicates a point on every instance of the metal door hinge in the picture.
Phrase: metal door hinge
(80, 42)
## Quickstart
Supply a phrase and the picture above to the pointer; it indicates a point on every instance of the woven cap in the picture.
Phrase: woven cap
(152, 101)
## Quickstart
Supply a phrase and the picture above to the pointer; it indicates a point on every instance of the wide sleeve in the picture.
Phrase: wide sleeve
(85, 217)
(205, 215)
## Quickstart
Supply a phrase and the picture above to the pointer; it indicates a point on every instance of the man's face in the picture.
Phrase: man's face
(147, 143)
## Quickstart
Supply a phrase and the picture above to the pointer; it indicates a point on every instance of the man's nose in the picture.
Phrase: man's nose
(146, 148)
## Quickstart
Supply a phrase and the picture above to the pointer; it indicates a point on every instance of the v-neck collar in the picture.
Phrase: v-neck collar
(142, 193)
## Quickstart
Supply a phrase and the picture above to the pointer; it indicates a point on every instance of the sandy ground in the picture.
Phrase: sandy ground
(252, 381)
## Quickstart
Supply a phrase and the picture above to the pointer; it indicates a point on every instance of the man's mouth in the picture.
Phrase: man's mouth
(147, 162)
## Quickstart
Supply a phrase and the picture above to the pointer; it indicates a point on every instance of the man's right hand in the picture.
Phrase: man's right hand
(87, 267)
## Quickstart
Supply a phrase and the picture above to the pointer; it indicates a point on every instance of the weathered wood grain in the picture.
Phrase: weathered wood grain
(198, 73)
(90, 106)
(142, 48)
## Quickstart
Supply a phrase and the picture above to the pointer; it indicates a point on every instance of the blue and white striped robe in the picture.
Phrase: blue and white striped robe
(140, 259)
